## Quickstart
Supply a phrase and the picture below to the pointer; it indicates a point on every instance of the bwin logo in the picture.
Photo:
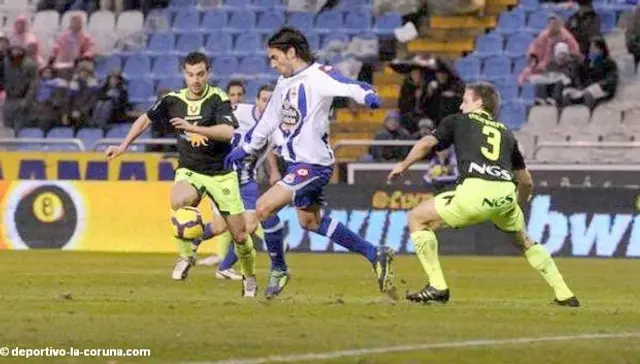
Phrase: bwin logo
(494, 171)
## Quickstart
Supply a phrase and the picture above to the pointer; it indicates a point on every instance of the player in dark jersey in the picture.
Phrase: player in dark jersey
(493, 183)
(203, 117)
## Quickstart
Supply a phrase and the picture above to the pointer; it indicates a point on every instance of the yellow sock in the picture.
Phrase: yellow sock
(223, 241)
(540, 259)
(260, 232)
(426, 245)
(185, 248)
(246, 256)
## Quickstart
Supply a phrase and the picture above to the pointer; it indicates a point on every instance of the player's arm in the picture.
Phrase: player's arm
(142, 123)
(522, 176)
(333, 84)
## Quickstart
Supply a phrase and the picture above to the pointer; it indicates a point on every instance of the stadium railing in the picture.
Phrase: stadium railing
(62, 141)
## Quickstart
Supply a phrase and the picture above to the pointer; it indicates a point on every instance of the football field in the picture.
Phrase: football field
(331, 312)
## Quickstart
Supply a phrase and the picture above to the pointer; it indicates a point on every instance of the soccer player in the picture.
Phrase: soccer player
(236, 92)
(299, 108)
(202, 116)
(494, 182)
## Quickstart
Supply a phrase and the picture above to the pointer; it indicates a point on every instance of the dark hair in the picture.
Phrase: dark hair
(266, 87)
(195, 58)
(289, 37)
(602, 44)
(236, 83)
(488, 94)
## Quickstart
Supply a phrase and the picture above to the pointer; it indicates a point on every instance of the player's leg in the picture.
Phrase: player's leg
(184, 193)
(216, 230)
(511, 221)
(274, 239)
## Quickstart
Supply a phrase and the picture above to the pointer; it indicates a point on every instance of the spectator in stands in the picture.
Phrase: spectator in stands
(113, 5)
(540, 51)
(563, 71)
(442, 169)
(113, 102)
(236, 91)
(33, 52)
(22, 34)
(392, 130)
(410, 101)
(632, 34)
(584, 25)
(51, 99)
(72, 45)
(443, 92)
(83, 95)
(4, 49)
(600, 77)
(21, 85)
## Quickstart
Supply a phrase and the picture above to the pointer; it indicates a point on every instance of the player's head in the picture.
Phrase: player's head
(289, 51)
(236, 92)
(264, 94)
(480, 95)
(196, 72)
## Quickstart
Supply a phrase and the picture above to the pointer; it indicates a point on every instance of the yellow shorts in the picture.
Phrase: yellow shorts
(223, 190)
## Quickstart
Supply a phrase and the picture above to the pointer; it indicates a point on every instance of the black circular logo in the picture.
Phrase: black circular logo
(46, 218)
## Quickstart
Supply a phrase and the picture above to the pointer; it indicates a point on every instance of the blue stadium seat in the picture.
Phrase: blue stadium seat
(302, 21)
(30, 133)
(241, 21)
(89, 136)
(118, 131)
(182, 4)
(621, 5)
(170, 83)
(538, 20)
(513, 115)
(488, 45)
(237, 4)
(518, 44)
(189, 42)
(565, 13)
(141, 90)
(468, 68)
(336, 36)
(252, 91)
(355, 5)
(511, 22)
(529, 5)
(608, 21)
(161, 43)
(108, 65)
(527, 94)
(187, 19)
(136, 66)
(165, 66)
(253, 65)
(314, 41)
(225, 65)
(270, 21)
(214, 20)
(329, 21)
(385, 24)
(219, 43)
(61, 132)
(357, 21)
(267, 4)
(248, 44)
(496, 68)
(508, 91)
(519, 65)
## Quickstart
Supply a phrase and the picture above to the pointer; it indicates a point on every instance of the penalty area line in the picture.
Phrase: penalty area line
(415, 347)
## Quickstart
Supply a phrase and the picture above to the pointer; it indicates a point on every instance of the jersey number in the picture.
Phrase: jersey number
(492, 149)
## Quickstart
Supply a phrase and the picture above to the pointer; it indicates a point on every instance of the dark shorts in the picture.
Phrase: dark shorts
(307, 182)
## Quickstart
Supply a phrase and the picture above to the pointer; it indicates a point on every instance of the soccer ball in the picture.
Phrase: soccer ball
(187, 223)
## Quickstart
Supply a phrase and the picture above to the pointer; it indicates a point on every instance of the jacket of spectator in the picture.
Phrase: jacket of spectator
(567, 64)
(4, 49)
(84, 91)
(540, 51)
(409, 103)
(632, 33)
(22, 35)
(602, 69)
(584, 25)
(113, 101)
(33, 52)
(20, 76)
(73, 44)
(52, 98)
(392, 131)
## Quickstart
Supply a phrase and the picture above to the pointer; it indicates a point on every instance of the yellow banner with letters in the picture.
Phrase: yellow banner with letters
(89, 216)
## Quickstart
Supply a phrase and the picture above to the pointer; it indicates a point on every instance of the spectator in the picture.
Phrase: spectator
(540, 51)
(563, 71)
(33, 52)
(4, 49)
(601, 78)
(113, 102)
(51, 99)
(443, 93)
(72, 45)
(442, 169)
(83, 95)
(114, 5)
(22, 34)
(409, 103)
(584, 25)
(392, 131)
(632, 34)
(20, 84)
(236, 91)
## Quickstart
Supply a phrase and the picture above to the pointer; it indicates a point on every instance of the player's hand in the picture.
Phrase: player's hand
(373, 100)
(113, 151)
(274, 178)
(181, 124)
(235, 156)
(397, 172)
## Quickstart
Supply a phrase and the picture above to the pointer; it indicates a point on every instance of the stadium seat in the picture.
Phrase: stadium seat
(329, 21)
(252, 91)
(357, 22)
(136, 66)
(302, 21)
(219, 43)
(214, 20)
(108, 65)
(270, 21)
(542, 119)
(141, 90)
(170, 83)
(241, 21)
(511, 22)
(574, 116)
(102, 21)
(89, 137)
(355, 5)
(517, 45)
(118, 131)
(130, 22)
(248, 44)
(156, 20)
(519, 65)
(385, 24)
(513, 115)
(488, 45)
(225, 65)
(528, 94)
(608, 20)
(496, 68)
(47, 21)
(182, 4)
(508, 91)
(165, 66)
(250, 66)
(468, 68)
(314, 41)
(605, 116)
(161, 43)
(61, 132)
(267, 4)
(335, 37)
(529, 5)
(538, 20)
(187, 19)
(189, 42)
(237, 4)
(30, 133)
(66, 18)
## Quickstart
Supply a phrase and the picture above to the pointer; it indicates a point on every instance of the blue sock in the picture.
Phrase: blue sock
(229, 260)
(208, 232)
(337, 232)
(274, 238)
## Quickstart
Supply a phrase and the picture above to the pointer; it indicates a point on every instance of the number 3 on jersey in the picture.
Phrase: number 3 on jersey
(492, 150)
